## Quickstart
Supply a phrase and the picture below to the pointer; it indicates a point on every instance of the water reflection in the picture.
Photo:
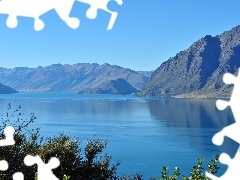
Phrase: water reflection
(199, 119)
(189, 113)
(75, 106)
(156, 132)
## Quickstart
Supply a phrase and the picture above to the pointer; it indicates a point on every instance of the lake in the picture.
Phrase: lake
(144, 133)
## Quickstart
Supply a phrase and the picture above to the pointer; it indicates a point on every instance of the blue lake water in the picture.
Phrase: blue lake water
(144, 133)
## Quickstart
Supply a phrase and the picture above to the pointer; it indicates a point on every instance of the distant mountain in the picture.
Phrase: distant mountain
(59, 78)
(198, 71)
(6, 90)
(146, 73)
(118, 86)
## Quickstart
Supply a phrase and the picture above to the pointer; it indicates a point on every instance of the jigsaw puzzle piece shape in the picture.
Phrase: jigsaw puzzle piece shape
(18, 176)
(44, 171)
(229, 78)
(95, 5)
(9, 140)
(34, 9)
(3, 165)
(235, 97)
(25, 8)
(114, 16)
(12, 21)
(221, 104)
(231, 131)
(63, 9)
(233, 167)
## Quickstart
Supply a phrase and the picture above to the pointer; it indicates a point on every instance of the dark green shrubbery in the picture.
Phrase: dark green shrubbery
(76, 163)
(196, 173)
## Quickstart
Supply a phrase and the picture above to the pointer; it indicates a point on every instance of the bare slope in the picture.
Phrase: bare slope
(198, 71)
(117, 86)
(6, 90)
(74, 78)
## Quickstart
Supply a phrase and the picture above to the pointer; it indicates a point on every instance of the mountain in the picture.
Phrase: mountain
(117, 86)
(6, 90)
(198, 70)
(145, 73)
(74, 78)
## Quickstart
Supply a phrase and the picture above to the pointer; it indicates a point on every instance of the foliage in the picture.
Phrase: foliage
(65, 177)
(196, 172)
(14, 155)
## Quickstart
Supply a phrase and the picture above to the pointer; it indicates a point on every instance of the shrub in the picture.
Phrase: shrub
(195, 174)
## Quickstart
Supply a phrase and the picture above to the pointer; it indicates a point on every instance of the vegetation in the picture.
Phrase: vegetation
(195, 174)
(88, 163)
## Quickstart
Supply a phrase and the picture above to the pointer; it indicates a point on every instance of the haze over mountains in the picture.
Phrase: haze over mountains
(194, 72)
(66, 78)
(198, 70)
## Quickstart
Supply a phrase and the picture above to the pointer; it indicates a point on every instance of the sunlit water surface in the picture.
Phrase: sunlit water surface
(144, 133)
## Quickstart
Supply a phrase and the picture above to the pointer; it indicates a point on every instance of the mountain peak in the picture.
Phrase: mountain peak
(198, 70)
(116, 86)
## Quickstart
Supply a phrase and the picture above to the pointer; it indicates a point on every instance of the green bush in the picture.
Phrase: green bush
(15, 154)
(195, 174)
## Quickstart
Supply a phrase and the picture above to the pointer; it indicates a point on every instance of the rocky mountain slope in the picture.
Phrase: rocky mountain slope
(6, 90)
(59, 78)
(145, 73)
(198, 70)
(117, 86)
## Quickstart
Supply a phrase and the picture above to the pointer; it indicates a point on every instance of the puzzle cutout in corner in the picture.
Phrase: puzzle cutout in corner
(231, 131)
(36, 8)
(44, 171)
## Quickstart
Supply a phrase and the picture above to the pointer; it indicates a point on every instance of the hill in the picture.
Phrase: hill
(118, 86)
(198, 70)
(64, 78)
(6, 90)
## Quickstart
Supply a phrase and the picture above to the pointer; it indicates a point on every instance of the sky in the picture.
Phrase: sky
(145, 34)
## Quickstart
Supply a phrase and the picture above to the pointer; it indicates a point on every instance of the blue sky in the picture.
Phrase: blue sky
(145, 34)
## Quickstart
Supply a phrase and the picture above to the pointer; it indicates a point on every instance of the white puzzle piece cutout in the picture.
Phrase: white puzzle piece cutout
(18, 176)
(96, 5)
(232, 131)
(8, 141)
(44, 171)
(34, 9)
(233, 167)
(3, 165)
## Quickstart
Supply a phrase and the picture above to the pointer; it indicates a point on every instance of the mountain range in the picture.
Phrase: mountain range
(69, 78)
(194, 72)
(198, 70)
